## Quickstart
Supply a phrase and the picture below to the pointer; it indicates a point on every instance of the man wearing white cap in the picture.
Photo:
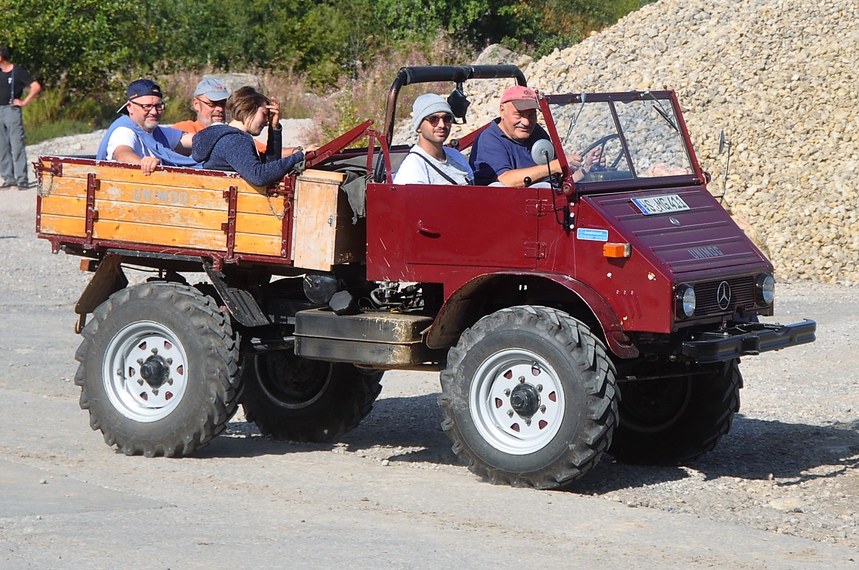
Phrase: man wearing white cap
(209, 102)
(429, 161)
(502, 152)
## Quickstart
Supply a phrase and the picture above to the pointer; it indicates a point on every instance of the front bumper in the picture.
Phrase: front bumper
(746, 339)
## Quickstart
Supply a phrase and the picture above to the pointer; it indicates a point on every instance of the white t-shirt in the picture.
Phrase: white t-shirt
(416, 170)
(124, 136)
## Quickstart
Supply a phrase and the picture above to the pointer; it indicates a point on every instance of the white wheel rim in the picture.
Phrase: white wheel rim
(123, 374)
(492, 407)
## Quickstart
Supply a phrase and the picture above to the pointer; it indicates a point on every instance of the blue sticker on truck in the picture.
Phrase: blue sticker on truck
(592, 234)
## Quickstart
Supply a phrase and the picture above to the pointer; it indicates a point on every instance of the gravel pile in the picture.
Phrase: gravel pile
(779, 76)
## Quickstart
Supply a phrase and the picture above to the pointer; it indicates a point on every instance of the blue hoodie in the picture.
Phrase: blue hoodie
(222, 147)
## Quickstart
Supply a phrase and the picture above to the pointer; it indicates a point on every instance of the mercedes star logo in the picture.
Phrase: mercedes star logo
(723, 295)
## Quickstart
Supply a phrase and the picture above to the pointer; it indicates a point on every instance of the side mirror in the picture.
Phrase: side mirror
(724, 145)
(543, 152)
(724, 142)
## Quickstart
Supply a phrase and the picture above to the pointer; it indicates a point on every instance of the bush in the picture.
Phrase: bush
(54, 113)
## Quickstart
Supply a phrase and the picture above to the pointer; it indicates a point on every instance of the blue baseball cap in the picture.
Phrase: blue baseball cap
(139, 88)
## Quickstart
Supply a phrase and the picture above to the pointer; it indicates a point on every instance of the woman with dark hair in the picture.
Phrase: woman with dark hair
(231, 146)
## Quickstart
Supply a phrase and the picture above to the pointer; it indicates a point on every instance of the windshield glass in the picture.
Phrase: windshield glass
(637, 134)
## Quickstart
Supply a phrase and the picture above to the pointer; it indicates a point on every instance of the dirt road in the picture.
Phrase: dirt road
(780, 491)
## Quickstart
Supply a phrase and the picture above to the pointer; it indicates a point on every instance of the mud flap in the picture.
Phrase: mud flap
(241, 304)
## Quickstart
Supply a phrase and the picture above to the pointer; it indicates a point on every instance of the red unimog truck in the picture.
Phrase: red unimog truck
(567, 319)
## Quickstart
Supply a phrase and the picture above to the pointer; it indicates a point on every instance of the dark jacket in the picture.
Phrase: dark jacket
(222, 147)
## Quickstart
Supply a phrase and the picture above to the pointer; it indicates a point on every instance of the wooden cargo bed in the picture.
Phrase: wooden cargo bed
(93, 206)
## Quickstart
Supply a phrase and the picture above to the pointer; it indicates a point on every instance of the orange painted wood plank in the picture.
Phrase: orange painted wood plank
(254, 203)
(63, 226)
(261, 245)
(67, 206)
(153, 194)
(168, 217)
(158, 235)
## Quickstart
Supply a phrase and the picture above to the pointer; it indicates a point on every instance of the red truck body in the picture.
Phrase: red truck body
(592, 312)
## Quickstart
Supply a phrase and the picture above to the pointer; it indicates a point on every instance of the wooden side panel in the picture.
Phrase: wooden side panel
(259, 223)
(195, 211)
(321, 213)
(173, 209)
(62, 215)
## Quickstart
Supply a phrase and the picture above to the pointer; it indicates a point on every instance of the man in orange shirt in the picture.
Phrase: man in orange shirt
(210, 99)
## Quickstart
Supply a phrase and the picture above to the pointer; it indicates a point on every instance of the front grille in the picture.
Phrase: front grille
(707, 296)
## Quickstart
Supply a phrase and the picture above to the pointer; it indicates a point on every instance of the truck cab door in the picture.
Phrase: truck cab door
(422, 232)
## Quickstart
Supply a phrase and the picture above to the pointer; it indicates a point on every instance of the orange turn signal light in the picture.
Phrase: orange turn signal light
(617, 250)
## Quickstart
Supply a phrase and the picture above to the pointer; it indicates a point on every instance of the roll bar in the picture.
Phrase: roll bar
(430, 74)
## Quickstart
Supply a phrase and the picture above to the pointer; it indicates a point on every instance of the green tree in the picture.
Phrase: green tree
(82, 44)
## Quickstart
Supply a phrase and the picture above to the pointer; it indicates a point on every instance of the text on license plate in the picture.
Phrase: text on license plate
(660, 204)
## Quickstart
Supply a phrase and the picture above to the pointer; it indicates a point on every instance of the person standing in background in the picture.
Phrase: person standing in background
(14, 81)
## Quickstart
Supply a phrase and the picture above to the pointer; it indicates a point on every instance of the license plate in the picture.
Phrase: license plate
(660, 204)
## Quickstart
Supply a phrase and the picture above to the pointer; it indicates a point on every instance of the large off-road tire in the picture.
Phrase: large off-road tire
(675, 419)
(528, 398)
(158, 370)
(297, 399)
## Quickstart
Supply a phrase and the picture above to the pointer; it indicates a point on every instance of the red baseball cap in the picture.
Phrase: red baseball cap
(523, 98)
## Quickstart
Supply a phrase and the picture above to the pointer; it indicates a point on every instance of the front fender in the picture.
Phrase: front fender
(465, 306)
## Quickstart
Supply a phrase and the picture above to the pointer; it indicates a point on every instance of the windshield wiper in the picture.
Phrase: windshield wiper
(575, 120)
(657, 106)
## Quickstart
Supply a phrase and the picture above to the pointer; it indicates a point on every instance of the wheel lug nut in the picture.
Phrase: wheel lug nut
(527, 422)
(510, 413)
(539, 387)
(506, 392)
(543, 408)
(521, 379)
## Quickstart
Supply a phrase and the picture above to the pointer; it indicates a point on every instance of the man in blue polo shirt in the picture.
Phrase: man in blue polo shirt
(502, 152)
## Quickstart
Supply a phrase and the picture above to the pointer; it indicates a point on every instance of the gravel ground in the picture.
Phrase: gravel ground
(787, 466)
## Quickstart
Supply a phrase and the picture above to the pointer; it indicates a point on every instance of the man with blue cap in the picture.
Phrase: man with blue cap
(429, 161)
(136, 137)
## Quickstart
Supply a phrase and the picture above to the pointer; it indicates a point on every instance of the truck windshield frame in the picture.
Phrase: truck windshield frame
(641, 136)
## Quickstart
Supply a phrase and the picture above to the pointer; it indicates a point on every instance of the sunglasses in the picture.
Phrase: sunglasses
(434, 119)
(212, 104)
(146, 108)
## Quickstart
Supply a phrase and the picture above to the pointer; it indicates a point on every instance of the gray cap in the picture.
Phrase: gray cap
(211, 88)
(426, 105)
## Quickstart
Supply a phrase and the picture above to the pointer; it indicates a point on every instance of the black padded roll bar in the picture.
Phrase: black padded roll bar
(454, 73)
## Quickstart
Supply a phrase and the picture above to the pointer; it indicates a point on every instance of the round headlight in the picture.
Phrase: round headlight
(685, 301)
(765, 289)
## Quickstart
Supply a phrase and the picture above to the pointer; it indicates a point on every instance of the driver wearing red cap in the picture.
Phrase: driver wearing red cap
(502, 152)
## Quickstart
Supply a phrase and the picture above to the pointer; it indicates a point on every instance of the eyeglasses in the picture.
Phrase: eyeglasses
(212, 104)
(434, 119)
(146, 108)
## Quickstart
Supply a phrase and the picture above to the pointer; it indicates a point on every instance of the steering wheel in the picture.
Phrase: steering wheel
(601, 143)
